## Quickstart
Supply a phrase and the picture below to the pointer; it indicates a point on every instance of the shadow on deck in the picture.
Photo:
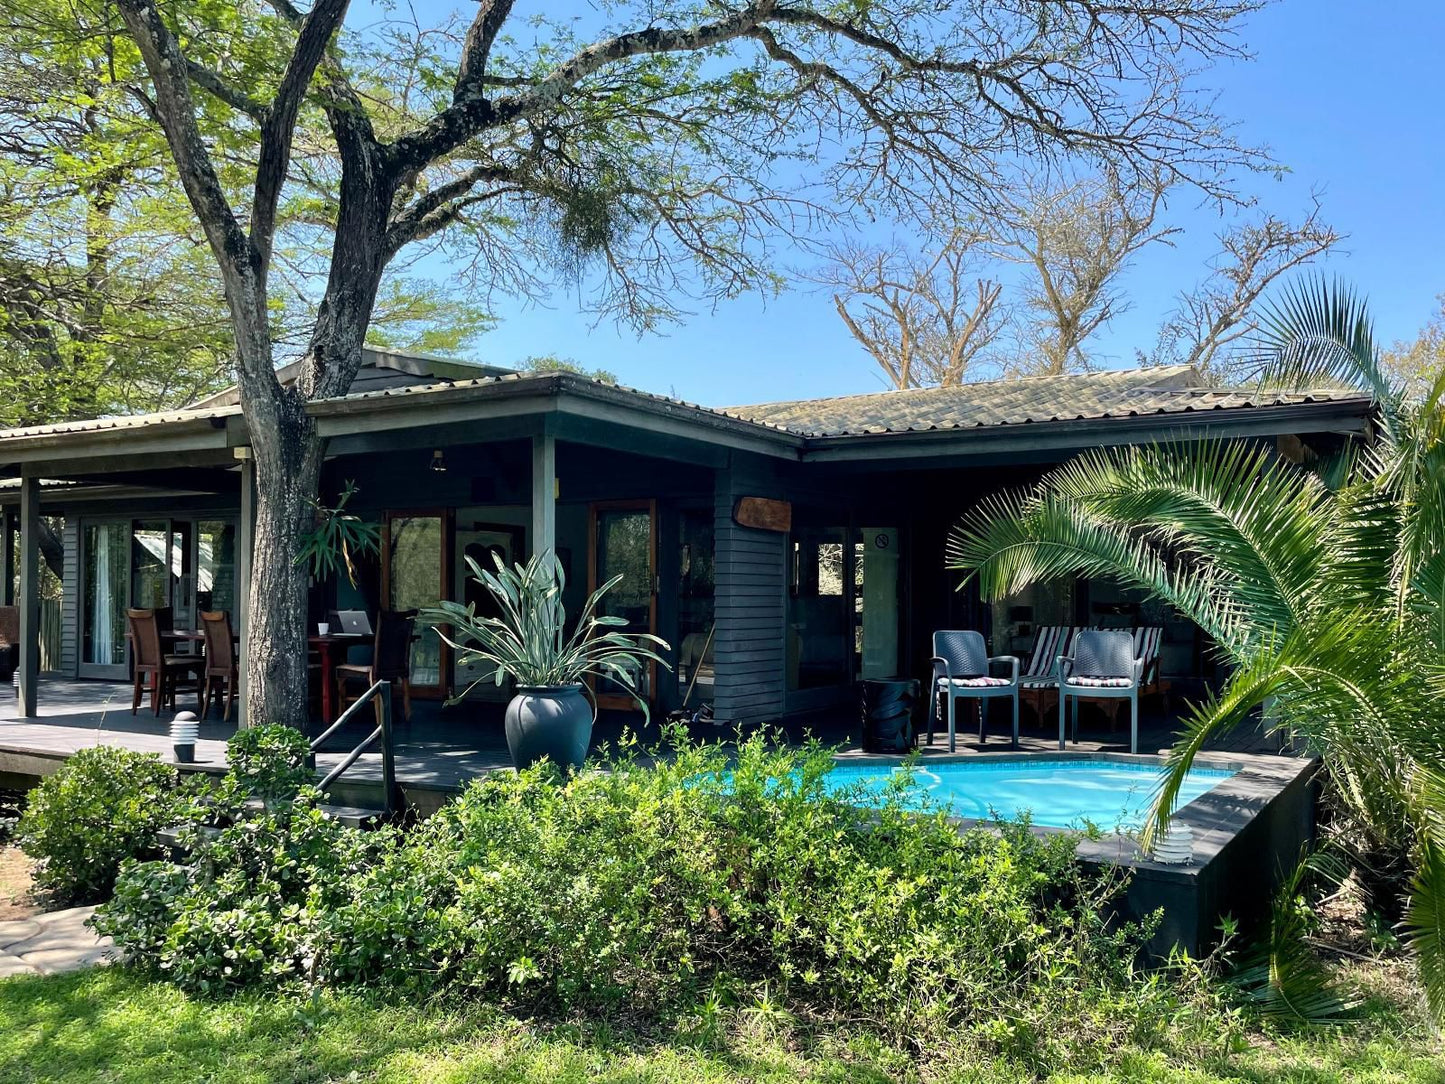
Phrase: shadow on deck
(442, 748)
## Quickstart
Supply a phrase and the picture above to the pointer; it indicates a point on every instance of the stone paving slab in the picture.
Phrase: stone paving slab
(51, 943)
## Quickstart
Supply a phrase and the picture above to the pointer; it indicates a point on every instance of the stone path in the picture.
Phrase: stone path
(50, 943)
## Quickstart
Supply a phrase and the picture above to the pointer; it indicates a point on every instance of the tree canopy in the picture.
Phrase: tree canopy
(646, 153)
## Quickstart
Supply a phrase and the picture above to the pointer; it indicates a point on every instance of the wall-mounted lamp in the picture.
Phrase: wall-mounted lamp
(438, 462)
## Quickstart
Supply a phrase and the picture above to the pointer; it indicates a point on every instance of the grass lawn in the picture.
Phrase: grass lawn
(108, 1026)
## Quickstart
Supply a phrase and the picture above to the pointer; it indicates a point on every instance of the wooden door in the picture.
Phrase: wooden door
(622, 540)
(416, 573)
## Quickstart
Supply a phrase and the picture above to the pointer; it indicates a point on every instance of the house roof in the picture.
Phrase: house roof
(381, 369)
(1070, 397)
(927, 421)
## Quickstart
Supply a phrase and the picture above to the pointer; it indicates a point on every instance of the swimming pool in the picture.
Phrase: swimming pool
(1056, 793)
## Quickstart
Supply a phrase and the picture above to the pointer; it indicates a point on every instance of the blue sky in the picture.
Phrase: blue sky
(1349, 95)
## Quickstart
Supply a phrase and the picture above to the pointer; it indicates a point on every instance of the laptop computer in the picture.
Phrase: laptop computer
(354, 622)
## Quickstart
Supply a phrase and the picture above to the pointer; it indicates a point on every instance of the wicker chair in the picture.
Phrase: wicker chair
(222, 674)
(1103, 666)
(154, 668)
(962, 667)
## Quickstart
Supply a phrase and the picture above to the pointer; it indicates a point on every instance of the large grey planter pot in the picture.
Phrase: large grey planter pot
(551, 721)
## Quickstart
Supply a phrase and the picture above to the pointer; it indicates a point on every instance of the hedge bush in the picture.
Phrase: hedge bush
(647, 890)
(105, 805)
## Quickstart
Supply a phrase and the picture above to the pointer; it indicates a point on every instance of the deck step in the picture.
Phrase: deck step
(353, 816)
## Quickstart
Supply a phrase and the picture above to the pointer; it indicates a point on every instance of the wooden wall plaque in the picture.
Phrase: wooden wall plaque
(763, 514)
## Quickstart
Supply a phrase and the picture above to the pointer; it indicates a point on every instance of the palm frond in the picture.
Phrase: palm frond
(1283, 975)
(1320, 332)
(1424, 922)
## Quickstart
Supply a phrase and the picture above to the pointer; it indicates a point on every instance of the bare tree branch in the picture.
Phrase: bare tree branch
(1211, 319)
(477, 47)
(923, 318)
(1076, 239)
(176, 114)
(279, 126)
(212, 83)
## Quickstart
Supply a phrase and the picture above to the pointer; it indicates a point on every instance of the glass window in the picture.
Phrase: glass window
(695, 602)
(820, 618)
(150, 565)
(414, 581)
(216, 567)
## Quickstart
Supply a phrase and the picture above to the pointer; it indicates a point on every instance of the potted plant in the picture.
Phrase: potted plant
(526, 640)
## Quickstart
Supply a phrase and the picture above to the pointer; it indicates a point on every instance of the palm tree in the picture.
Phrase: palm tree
(1323, 586)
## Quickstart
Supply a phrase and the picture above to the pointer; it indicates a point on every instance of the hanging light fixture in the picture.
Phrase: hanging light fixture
(438, 462)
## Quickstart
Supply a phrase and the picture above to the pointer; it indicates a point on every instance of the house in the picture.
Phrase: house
(784, 549)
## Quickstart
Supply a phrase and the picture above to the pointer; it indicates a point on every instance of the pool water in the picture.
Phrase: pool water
(1055, 793)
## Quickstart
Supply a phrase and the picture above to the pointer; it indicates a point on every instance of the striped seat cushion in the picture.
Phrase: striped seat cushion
(1101, 682)
(1050, 642)
(1039, 683)
(975, 682)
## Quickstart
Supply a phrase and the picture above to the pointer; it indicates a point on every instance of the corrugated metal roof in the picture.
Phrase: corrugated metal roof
(121, 421)
(575, 379)
(1097, 395)
(1070, 397)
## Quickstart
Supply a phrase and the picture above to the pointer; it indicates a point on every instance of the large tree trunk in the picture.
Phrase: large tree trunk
(288, 472)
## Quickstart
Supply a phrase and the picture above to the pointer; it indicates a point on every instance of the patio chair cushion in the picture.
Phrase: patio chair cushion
(1039, 683)
(975, 682)
(1101, 682)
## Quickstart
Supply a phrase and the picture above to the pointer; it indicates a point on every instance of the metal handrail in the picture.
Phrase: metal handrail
(382, 734)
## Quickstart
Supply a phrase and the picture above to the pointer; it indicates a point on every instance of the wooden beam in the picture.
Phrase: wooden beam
(29, 596)
(184, 480)
(544, 493)
(245, 543)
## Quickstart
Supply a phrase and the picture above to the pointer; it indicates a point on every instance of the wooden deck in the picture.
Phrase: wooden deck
(443, 748)
(438, 750)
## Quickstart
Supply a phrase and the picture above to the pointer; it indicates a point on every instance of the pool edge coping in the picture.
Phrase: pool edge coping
(1215, 817)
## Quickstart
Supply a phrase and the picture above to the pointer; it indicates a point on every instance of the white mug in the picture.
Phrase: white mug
(323, 628)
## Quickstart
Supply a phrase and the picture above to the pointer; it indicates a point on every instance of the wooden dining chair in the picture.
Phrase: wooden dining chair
(152, 667)
(222, 674)
(390, 661)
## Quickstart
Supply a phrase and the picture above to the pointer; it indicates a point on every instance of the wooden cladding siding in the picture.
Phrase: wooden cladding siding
(751, 609)
(67, 636)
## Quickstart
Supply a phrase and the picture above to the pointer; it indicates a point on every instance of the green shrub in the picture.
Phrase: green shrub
(648, 890)
(270, 762)
(246, 911)
(103, 806)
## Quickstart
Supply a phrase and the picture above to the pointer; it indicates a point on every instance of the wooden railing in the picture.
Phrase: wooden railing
(382, 734)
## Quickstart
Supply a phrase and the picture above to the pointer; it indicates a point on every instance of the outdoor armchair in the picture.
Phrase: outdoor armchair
(1103, 666)
(962, 667)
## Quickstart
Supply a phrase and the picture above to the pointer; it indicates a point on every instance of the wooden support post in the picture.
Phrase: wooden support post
(7, 558)
(544, 493)
(29, 601)
(245, 544)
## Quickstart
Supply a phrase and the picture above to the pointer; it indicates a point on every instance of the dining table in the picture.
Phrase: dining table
(327, 649)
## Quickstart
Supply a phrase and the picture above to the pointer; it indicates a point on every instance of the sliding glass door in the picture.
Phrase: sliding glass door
(624, 543)
(177, 566)
(105, 555)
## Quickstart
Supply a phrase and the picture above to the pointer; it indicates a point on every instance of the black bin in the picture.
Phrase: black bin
(888, 710)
